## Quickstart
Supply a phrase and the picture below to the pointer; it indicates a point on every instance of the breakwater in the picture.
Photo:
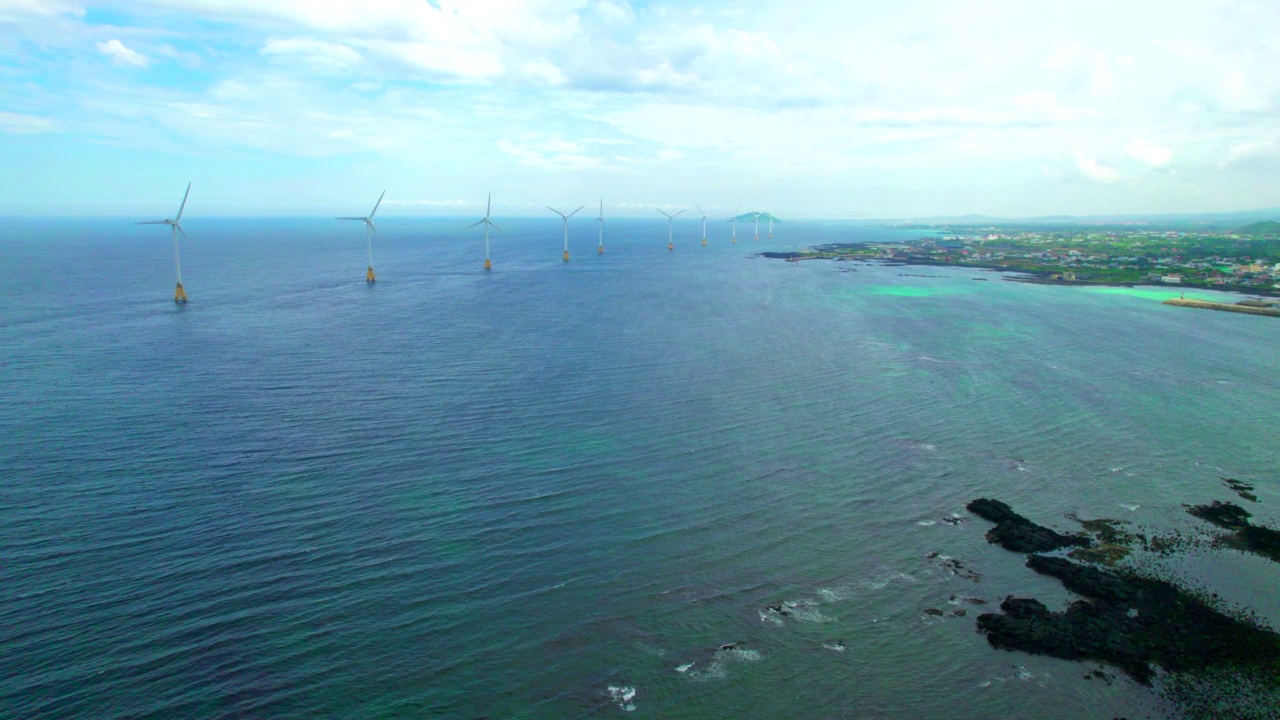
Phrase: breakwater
(1224, 306)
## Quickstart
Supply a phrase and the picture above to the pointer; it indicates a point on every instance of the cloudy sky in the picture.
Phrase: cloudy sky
(842, 109)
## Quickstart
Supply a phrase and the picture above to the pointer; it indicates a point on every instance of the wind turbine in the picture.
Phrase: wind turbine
(670, 217)
(566, 226)
(487, 224)
(770, 224)
(600, 219)
(704, 224)
(179, 295)
(734, 239)
(369, 232)
(757, 218)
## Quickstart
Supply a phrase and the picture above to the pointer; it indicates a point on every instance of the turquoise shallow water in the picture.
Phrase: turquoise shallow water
(557, 490)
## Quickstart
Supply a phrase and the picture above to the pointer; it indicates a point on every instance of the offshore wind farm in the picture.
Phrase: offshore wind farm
(950, 435)
(610, 469)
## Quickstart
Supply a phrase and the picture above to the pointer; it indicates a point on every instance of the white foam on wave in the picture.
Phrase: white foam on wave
(836, 594)
(836, 646)
(770, 617)
(1130, 506)
(926, 523)
(721, 661)
(684, 668)
(882, 581)
(805, 611)
(623, 696)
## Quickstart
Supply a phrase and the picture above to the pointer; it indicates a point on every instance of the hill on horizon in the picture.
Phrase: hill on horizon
(1266, 227)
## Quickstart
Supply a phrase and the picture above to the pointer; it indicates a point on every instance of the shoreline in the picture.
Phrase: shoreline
(1227, 307)
(1030, 276)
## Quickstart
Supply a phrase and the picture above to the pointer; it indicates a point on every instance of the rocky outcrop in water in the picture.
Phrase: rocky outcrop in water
(1130, 622)
(1248, 537)
(1219, 664)
(1015, 532)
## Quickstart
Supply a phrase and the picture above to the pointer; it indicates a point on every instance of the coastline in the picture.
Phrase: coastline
(1020, 274)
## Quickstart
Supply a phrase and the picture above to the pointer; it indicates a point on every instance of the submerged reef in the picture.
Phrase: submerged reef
(1215, 663)
(1248, 537)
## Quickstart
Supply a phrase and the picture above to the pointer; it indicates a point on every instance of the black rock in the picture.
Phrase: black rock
(1129, 622)
(1015, 532)
(1224, 515)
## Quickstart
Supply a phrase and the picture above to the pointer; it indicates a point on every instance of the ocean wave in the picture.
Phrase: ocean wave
(623, 696)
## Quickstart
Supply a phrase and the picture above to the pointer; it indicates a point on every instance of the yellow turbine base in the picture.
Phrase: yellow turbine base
(488, 265)
(734, 240)
(180, 295)
(670, 247)
(566, 256)
(757, 238)
(704, 242)
(368, 276)
(600, 250)
(770, 236)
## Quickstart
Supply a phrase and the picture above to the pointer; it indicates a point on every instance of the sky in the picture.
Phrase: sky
(843, 109)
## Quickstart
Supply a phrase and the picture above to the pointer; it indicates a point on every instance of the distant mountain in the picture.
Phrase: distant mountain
(1267, 227)
(1207, 220)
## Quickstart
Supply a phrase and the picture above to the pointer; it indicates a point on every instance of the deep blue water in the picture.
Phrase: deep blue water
(556, 490)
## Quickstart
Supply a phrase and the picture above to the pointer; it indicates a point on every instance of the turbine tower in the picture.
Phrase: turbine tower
(704, 224)
(179, 295)
(600, 220)
(566, 226)
(734, 238)
(369, 232)
(757, 219)
(487, 224)
(770, 224)
(670, 218)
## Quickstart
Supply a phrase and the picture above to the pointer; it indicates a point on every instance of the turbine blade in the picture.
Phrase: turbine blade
(488, 204)
(182, 232)
(575, 212)
(664, 212)
(349, 218)
(681, 210)
(495, 227)
(375, 206)
(184, 203)
(555, 211)
(478, 222)
(151, 222)
(699, 209)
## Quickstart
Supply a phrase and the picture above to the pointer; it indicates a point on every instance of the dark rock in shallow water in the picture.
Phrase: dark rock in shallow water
(1015, 532)
(1250, 538)
(1130, 622)
(1260, 540)
(993, 510)
(1224, 515)
(1243, 489)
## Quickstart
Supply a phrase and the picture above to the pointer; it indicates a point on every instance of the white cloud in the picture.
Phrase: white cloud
(1147, 152)
(431, 203)
(19, 123)
(15, 10)
(122, 55)
(549, 155)
(1094, 170)
(1263, 154)
(316, 51)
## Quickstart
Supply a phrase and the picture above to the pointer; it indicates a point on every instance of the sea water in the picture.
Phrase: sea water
(575, 489)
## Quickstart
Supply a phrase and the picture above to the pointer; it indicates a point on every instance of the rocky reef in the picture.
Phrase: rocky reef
(1015, 532)
(1217, 663)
